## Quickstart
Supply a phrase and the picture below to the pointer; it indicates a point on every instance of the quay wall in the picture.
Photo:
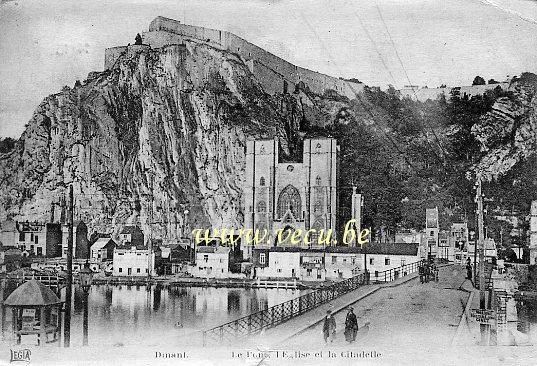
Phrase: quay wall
(265, 66)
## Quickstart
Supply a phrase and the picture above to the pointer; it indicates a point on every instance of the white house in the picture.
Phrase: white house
(282, 262)
(380, 258)
(343, 262)
(130, 260)
(211, 262)
(312, 266)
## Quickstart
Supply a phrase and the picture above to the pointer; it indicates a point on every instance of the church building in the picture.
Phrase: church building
(290, 195)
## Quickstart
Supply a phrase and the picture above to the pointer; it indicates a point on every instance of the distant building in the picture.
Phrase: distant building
(280, 194)
(10, 259)
(9, 234)
(81, 244)
(38, 239)
(212, 262)
(446, 249)
(176, 257)
(131, 260)
(103, 249)
(491, 253)
(277, 262)
(343, 262)
(432, 230)
(131, 234)
(459, 242)
(312, 265)
(382, 257)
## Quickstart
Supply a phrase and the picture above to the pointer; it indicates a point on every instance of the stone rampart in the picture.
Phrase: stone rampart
(423, 94)
(270, 70)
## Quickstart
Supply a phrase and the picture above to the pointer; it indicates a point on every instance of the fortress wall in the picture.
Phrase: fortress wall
(424, 94)
(163, 31)
(271, 81)
(159, 39)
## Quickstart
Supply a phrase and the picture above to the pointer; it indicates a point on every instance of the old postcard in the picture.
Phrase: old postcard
(268, 182)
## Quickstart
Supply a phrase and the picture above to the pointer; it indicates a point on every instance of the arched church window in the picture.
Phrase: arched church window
(262, 181)
(290, 200)
(261, 206)
(318, 181)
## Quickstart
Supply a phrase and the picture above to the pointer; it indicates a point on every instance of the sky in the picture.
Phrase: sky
(46, 44)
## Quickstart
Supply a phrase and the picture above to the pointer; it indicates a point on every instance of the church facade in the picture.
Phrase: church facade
(290, 195)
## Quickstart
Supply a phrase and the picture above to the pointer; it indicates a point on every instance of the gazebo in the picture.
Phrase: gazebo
(36, 310)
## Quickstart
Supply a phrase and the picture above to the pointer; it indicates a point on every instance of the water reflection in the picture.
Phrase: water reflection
(153, 315)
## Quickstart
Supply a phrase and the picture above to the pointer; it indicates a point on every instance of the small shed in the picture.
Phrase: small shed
(36, 310)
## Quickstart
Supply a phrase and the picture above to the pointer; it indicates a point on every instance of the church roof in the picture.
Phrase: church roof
(32, 293)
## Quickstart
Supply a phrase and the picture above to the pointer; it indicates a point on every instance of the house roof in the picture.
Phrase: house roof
(129, 245)
(32, 293)
(208, 249)
(101, 243)
(130, 229)
(391, 248)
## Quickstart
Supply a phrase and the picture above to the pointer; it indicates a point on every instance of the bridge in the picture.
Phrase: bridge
(268, 318)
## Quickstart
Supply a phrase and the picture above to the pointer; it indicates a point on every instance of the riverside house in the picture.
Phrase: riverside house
(212, 262)
(132, 260)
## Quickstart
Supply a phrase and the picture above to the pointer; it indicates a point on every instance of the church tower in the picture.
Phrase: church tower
(283, 195)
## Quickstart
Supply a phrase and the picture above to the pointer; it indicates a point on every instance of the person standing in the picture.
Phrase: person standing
(351, 326)
(329, 327)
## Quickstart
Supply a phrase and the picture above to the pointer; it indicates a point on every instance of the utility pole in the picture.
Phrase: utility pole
(482, 299)
(69, 287)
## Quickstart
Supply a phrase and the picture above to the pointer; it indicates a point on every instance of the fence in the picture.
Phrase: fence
(53, 281)
(394, 273)
(280, 313)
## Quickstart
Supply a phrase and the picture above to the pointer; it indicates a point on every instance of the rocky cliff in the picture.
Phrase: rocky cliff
(157, 139)
(508, 133)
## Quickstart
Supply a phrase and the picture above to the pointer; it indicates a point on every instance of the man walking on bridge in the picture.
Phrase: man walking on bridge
(351, 326)
(329, 327)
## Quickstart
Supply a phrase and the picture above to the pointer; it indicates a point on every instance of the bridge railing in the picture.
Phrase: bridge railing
(280, 313)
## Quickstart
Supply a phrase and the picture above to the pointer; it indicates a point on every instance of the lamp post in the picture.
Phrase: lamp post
(86, 277)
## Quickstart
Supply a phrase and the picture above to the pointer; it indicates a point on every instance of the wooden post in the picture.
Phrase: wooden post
(42, 331)
(59, 324)
(482, 299)
(69, 284)
(85, 322)
(2, 308)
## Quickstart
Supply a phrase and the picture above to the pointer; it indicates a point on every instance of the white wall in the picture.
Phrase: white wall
(136, 260)
(211, 265)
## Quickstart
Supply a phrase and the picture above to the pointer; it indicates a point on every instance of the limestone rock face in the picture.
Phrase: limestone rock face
(158, 140)
(508, 133)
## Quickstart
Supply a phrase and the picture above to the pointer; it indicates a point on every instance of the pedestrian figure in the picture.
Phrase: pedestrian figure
(469, 269)
(421, 270)
(329, 327)
(351, 326)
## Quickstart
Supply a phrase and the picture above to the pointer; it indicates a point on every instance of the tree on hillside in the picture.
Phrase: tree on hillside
(478, 80)
(7, 144)
(138, 39)
(492, 81)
